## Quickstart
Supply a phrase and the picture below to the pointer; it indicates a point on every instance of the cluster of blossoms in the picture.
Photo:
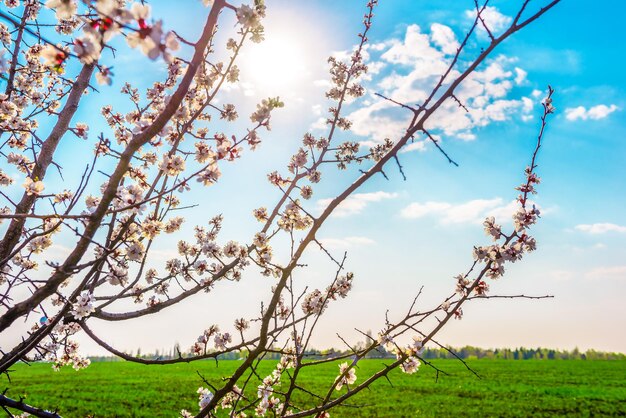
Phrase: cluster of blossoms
(263, 253)
(197, 259)
(33, 187)
(173, 163)
(118, 274)
(513, 248)
(263, 110)
(347, 375)
(347, 154)
(461, 285)
(83, 305)
(265, 390)
(106, 19)
(341, 74)
(410, 353)
(378, 151)
(316, 302)
(282, 310)
(23, 164)
(38, 244)
(4, 273)
(344, 85)
(19, 132)
(305, 162)
(340, 287)
(58, 348)
(496, 255)
(231, 398)
(201, 259)
(205, 396)
(294, 218)
(249, 17)
(220, 340)
(10, 116)
(298, 160)
(523, 218)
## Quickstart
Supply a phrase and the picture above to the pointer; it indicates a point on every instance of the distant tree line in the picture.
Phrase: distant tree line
(466, 352)
(521, 353)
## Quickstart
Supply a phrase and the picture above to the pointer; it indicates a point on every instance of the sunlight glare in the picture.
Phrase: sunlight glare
(277, 64)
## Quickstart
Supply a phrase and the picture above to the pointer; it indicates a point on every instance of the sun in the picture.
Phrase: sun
(277, 64)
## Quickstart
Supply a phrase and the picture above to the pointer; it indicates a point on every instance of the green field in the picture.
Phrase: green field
(538, 388)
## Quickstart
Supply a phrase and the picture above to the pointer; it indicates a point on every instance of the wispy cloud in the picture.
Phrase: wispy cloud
(444, 38)
(473, 211)
(609, 272)
(56, 252)
(414, 62)
(596, 112)
(561, 275)
(415, 146)
(356, 203)
(346, 242)
(495, 21)
(601, 228)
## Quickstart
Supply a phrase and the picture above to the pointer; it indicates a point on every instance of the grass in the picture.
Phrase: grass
(537, 388)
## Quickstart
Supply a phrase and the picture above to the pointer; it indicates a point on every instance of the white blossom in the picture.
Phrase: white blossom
(83, 305)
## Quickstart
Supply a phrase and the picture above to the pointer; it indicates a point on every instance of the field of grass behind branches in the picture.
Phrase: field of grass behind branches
(538, 388)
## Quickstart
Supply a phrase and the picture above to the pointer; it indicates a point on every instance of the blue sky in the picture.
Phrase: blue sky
(401, 235)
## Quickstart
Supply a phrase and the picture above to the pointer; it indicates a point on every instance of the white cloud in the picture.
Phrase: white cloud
(466, 136)
(375, 67)
(495, 21)
(444, 38)
(595, 112)
(356, 203)
(364, 144)
(379, 121)
(320, 124)
(415, 65)
(418, 210)
(527, 106)
(561, 275)
(248, 89)
(473, 211)
(414, 146)
(346, 242)
(520, 75)
(56, 252)
(377, 46)
(322, 83)
(416, 48)
(600, 228)
(611, 272)
(163, 254)
(505, 212)
(317, 109)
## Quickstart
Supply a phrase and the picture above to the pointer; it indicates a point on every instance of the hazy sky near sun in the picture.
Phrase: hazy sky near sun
(402, 235)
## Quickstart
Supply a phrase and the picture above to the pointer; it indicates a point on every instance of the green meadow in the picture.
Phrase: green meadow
(506, 388)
